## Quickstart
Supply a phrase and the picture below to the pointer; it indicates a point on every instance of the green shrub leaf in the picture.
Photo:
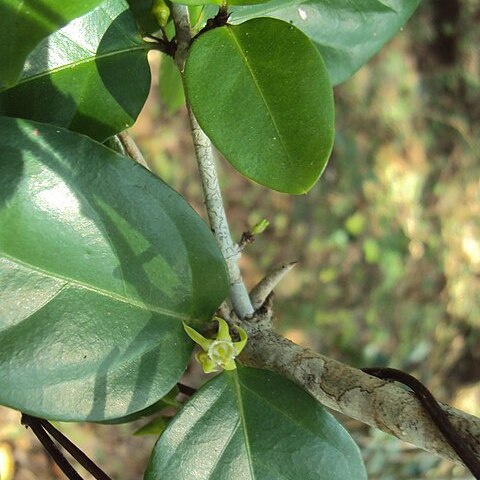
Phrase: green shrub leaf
(251, 424)
(261, 92)
(100, 262)
(91, 77)
(346, 33)
(24, 24)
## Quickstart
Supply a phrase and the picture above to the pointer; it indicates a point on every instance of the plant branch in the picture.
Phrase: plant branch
(373, 401)
(218, 220)
(131, 148)
(265, 287)
(208, 175)
(181, 19)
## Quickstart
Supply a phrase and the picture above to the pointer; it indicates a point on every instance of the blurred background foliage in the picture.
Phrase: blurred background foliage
(388, 242)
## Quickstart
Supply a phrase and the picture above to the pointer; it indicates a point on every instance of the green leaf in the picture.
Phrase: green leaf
(23, 24)
(100, 262)
(346, 33)
(91, 77)
(253, 424)
(219, 2)
(155, 427)
(170, 85)
(261, 92)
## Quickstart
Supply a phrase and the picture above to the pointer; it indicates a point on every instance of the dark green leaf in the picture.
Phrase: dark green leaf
(253, 424)
(170, 85)
(261, 92)
(346, 33)
(91, 77)
(100, 262)
(23, 24)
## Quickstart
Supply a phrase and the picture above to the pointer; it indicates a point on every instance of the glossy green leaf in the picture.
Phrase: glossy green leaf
(346, 33)
(170, 85)
(23, 24)
(261, 92)
(91, 77)
(251, 424)
(100, 262)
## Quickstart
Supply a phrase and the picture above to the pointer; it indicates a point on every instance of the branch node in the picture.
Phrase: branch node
(219, 20)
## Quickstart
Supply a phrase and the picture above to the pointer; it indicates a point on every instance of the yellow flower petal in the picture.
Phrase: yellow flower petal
(207, 364)
(239, 346)
(220, 351)
(197, 337)
(230, 365)
(223, 332)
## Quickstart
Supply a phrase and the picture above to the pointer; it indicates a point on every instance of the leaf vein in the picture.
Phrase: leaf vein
(76, 63)
(100, 291)
(260, 90)
(244, 423)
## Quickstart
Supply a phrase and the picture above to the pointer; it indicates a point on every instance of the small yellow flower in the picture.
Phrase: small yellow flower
(220, 351)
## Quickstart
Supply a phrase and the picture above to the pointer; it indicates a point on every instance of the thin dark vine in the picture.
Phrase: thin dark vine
(42, 429)
(435, 411)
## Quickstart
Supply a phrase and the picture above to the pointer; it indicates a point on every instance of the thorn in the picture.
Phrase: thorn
(262, 290)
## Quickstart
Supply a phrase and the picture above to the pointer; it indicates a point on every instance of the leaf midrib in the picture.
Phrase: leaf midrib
(92, 58)
(260, 90)
(243, 421)
(286, 415)
(100, 291)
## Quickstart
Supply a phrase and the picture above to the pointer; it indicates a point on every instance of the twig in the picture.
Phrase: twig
(74, 451)
(131, 148)
(218, 220)
(208, 174)
(264, 288)
(183, 35)
(64, 465)
(348, 390)
(117, 145)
